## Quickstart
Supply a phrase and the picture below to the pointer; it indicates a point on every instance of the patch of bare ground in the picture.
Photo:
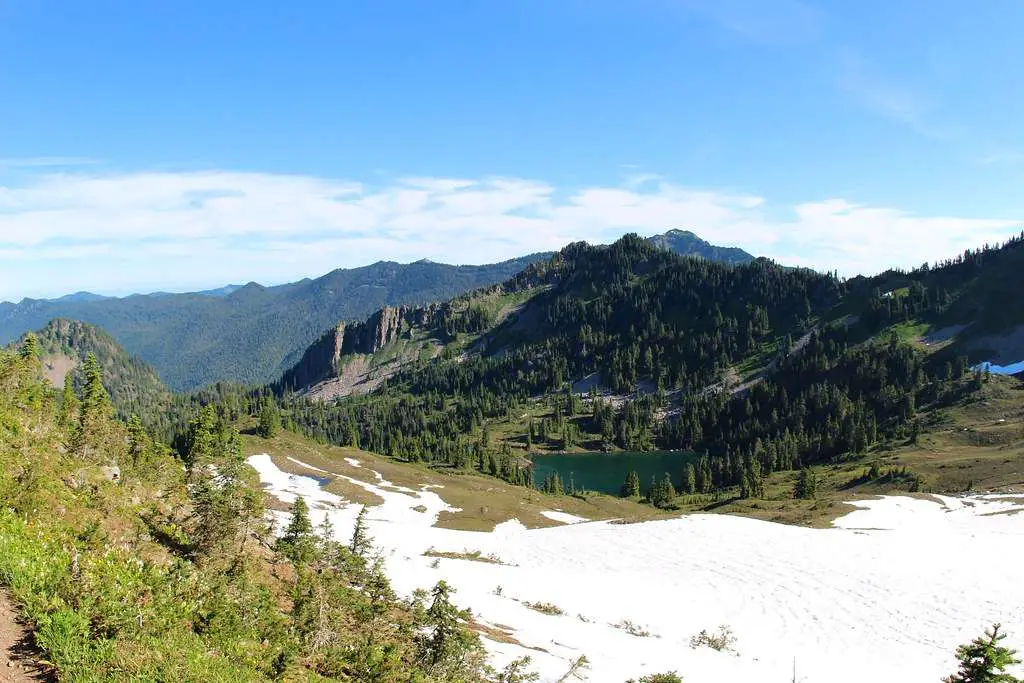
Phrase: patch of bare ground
(56, 367)
(357, 377)
(500, 633)
(468, 555)
(19, 662)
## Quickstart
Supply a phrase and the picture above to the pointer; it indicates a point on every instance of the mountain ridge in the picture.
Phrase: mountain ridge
(253, 333)
(686, 243)
(133, 385)
(755, 360)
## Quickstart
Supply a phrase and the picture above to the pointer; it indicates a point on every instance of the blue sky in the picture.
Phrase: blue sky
(181, 145)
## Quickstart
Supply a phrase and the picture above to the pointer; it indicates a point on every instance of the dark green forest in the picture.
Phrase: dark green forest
(661, 330)
(253, 334)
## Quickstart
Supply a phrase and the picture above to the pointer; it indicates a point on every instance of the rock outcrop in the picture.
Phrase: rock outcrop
(323, 359)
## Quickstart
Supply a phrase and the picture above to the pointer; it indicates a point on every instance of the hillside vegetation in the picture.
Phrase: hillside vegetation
(134, 386)
(254, 333)
(759, 368)
(130, 562)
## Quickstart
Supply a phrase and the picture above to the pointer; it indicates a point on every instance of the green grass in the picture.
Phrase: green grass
(910, 332)
(483, 501)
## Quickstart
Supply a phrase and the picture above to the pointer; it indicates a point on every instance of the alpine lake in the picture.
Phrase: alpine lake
(606, 472)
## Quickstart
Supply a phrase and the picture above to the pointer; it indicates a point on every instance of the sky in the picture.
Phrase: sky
(178, 146)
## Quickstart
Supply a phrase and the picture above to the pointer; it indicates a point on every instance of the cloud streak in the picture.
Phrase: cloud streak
(46, 162)
(777, 23)
(117, 233)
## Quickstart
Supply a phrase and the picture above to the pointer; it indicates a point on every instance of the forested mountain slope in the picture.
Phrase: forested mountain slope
(588, 309)
(134, 386)
(972, 301)
(760, 367)
(254, 333)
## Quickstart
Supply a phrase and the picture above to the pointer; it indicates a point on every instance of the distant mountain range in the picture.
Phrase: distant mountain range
(252, 333)
(82, 297)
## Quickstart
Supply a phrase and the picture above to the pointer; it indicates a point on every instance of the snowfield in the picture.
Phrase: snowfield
(885, 596)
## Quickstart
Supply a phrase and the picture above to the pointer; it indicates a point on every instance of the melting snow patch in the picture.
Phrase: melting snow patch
(307, 465)
(563, 517)
(885, 596)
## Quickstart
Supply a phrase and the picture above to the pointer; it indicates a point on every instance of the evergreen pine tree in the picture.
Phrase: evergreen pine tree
(95, 398)
(138, 439)
(662, 492)
(689, 482)
(360, 544)
(202, 439)
(668, 490)
(95, 407)
(269, 420)
(352, 438)
(631, 487)
(805, 484)
(68, 402)
(984, 660)
(446, 644)
(224, 504)
(297, 542)
(29, 347)
(751, 481)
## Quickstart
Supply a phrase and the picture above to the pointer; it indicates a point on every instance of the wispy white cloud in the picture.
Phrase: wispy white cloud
(116, 233)
(1008, 157)
(881, 95)
(775, 23)
(44, 162)
(906, 101)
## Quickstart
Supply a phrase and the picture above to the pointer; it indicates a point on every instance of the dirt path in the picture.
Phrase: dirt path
(16, 661)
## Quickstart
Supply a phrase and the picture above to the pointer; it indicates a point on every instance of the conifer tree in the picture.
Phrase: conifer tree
(751, 482)
(202, 437)
(689, 483)
(297, 542)
(446, 645)
(360, 544)
(30, 347)
(269, 421)
(95, 398)
(805, 484)
(352, 438)
(553, 484)
(662, 492)
(631, 487)
(68, 402)
(223, 504)
(984, 660)
(138, 440)
(95, 407)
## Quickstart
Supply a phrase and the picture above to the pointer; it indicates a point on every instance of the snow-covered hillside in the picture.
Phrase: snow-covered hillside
(886, 596)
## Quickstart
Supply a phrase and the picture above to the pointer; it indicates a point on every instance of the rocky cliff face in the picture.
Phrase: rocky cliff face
(323, 359)
(318, 362)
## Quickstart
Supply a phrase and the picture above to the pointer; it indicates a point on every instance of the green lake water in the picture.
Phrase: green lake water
(605, 472)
